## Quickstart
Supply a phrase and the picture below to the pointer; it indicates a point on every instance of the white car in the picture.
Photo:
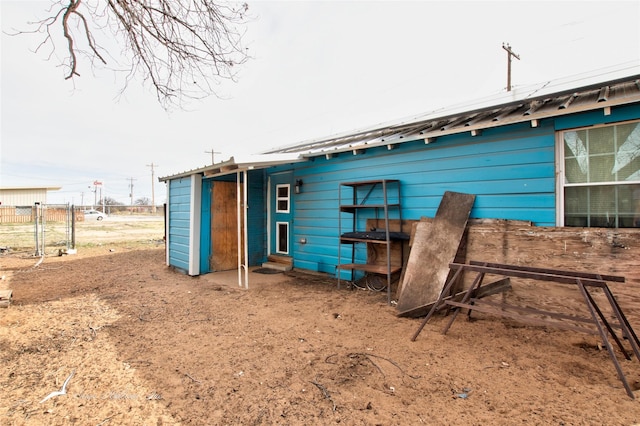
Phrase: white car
(93, 215)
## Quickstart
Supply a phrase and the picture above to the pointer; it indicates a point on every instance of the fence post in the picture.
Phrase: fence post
(37, 204)
(73, 227)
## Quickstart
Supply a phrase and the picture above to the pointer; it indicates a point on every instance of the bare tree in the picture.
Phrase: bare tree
(142, 201)
(182, 47)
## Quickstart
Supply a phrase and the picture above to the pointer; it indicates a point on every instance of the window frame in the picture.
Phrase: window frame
(279, 198)
(24, 210)
(279, 250)
(561, 184)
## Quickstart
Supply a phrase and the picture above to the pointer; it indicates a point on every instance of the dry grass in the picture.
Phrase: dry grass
(21, 236)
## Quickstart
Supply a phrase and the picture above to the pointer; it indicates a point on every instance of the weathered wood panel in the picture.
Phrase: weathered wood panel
(435, 246)
(596, 250)
(376, 253)
(224, 227)
(11, 214)
(5, 298)
(599, 250)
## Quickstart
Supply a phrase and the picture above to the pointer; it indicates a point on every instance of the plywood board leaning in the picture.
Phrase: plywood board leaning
(434, 246)
(5, 298)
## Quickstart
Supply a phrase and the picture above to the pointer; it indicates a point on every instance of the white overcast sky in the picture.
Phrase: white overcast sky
(318, 68)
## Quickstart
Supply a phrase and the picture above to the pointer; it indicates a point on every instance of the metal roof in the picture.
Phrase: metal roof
(534, 103)
(238, 164)
(585, 92)
(29, 188)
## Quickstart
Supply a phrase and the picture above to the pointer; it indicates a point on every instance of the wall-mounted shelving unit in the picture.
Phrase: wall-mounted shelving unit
(357, 198)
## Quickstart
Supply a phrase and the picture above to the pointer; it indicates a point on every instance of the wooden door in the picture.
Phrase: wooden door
(224, 226)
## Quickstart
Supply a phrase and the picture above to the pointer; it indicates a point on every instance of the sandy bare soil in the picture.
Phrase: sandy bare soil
(141, 344)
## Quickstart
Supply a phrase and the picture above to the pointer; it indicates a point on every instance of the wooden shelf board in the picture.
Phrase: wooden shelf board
(369, 182)
(353, 207)
(365, 240)
(376, 269)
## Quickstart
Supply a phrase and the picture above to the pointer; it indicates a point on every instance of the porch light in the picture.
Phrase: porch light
(298, 186)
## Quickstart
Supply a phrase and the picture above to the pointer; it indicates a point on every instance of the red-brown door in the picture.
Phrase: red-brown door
(224, 226)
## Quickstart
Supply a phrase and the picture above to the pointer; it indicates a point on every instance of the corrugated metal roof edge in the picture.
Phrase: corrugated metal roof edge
(394, 139)
(250, 162)
(14, 188)
(533, 93)
(404, 130)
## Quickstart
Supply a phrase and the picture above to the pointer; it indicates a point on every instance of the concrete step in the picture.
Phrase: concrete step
(277, 265)
(287, 260)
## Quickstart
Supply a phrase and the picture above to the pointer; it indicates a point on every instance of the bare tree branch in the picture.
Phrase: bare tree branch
(183, 48)
(65, 27)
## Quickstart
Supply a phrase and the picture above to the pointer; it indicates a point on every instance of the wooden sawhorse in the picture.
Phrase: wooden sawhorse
(584, 282)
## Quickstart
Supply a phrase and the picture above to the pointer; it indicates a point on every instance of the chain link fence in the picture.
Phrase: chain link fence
(37, 229)
(52, 229)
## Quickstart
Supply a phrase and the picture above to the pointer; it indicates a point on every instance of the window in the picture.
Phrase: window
(282, 237)
(600, 179)
(24, 210)
(282, 198)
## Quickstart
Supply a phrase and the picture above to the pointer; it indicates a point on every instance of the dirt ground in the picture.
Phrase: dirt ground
(140, 344)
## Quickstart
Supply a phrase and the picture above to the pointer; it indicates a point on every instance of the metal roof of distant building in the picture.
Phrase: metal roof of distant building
(550, 99)
(22, 188)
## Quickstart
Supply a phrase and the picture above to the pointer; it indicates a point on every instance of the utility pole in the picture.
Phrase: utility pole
(153, 191)
(95, 192)
(96, 184)
(131, 189)
(213, 153)
(510, 54)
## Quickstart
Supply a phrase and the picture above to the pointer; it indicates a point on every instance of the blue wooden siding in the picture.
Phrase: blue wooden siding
(257, 217)
(179, 222)
(511, 171)
(621, 113)
(205, 226)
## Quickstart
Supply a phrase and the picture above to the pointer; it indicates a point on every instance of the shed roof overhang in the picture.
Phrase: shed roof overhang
(240, 163)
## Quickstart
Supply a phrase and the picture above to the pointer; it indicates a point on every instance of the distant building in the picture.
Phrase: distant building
(25, 196)
(17, 203)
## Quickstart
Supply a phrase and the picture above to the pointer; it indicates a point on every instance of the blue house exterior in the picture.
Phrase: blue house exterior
(536, 156)
(183, 222)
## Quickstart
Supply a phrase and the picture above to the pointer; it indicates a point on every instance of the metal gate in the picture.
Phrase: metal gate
(41, 229)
